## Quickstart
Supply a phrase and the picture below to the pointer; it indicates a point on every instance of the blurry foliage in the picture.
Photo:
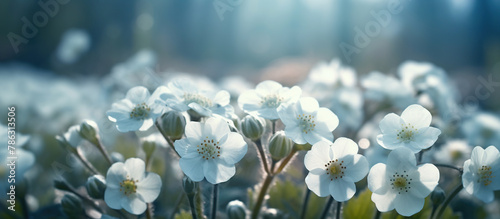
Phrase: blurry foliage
(360, 207)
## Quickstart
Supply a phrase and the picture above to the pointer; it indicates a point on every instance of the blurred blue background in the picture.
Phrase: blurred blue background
(246, 37)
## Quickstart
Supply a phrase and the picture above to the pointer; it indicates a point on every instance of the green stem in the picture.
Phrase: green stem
(377, 214)
(448, 200)
(339, 208)
(449, 166)
(327, 208)
(274, 126)
(215, 198)
(84, 198)
(149, 211)
(170, 142)
(199, 202)
(304, 204)
(262, 155)
(86, 163)
(286, 161)
(103, 151)
(262, 194)
(191, 205)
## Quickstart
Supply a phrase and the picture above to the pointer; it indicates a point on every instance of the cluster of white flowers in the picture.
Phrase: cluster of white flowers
(398, 155)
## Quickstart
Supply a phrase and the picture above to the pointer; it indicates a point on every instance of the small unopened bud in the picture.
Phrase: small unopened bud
(253, 127)
(272, 213)
(72, 206)
(173, 124)
(236, 122)
(61, 185)
(437, 196)
(280, 145)
(149, 147)
(189, 185)
(96, 185)
(236, 210)
(89, 131)
(117, 157)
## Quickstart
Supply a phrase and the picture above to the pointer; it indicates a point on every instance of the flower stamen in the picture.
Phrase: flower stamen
(407, 132)
(401, 182)
(128, 186)
(306, 123)
(485, 175)
(140, 111)
(335, 169)
(209, 148)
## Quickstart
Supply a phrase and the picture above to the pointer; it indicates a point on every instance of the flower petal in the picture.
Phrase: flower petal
(218, 126)
(138, 95)
(356, 167)
(343, 147)
(184, 148)
(319, 155)
(407, 204)
(426, 137)
(112, 197)
(384, 202)
(233, 149)
(149, 188)
(136, 168)
(329, 121)
(133, 204)
(319, 184)
(192, 167)
(218, 172)
(222, 98)
(308, 105)
(342, 190)
(391, 123)
(115, 175)
(194, 130)
(129, 125)
(402, 158)
(428, 178)
(417, 116)
(377, 179)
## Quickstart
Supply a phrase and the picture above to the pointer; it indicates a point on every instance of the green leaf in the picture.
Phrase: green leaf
(360, 207)
(183, 215)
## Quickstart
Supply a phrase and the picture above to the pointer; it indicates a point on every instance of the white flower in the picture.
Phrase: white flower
(305, 122)
(480, 173)
(332, 74)
(72, 136)
(74, 43)
(411, 130)
(334, 168)
(130, 187)
(453, 152)
(401, 184)
(210, 150)
(482, 129)
(188, 95)
(266, 98)
(138, 111)
(380, 87)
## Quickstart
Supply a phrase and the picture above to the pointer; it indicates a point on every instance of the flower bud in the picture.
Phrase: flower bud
(253, 127)
(189, 185)
(236, 210)
(437, 196)
(173, 124)
(89, 131)
(72, 206)
(280, 145)
(96, 185)
(61, 185)
(117, 157)
(236, 122)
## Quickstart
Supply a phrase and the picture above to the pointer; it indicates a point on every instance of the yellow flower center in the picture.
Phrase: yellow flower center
(401, 182)
(128, 186)
(197, 98)
(208, 148)
(140, 111)
(335, 169)
(271, 100)
(407, 132)
(306, 123)
(485, 175)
